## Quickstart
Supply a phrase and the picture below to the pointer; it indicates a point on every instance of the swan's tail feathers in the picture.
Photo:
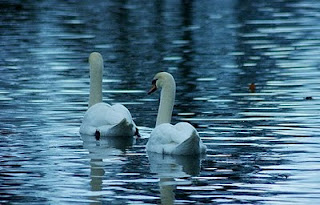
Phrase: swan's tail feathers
(190, 146)
(125, 126)
(122, 129)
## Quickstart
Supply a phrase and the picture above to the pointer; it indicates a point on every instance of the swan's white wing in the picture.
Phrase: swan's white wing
(101, 114)
(96, 116)
(160, 140)
(180, 139)
(190, 132)
(110, 120)
(87, 129)
(167, 133)
(185, 131)
(122, 129)
(119, 108)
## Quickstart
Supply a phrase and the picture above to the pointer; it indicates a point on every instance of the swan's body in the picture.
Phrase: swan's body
(108, 120)
(179, 139)
(102, 119)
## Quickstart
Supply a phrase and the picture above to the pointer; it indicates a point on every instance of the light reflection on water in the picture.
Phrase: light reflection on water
(263, 146)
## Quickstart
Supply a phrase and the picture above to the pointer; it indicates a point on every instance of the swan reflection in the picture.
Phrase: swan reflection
(106, 145)
(169, 167)
(101, 153)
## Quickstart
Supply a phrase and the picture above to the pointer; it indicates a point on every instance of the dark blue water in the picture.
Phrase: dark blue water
(263, 144)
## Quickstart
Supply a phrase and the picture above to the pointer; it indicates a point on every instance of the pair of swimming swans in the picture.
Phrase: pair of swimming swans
(104, 120)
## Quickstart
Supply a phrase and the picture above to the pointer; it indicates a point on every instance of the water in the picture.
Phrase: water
(263, 146)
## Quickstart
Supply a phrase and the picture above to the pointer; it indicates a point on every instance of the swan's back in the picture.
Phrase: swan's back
(179, 139)
(101, 114)
(119, 108)
(109, 120)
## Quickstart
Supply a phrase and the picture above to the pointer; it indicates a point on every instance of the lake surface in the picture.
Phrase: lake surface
(263, 144)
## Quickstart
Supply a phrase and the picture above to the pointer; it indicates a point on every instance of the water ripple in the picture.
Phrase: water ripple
(263, 143)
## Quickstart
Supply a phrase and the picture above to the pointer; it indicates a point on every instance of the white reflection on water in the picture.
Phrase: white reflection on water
(103, 152)
(169, 169)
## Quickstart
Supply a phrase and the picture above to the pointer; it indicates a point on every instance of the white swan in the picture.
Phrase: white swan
(102, 119)
(179, 139)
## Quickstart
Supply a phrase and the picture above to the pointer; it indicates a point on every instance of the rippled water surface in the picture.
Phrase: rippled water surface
(263, 143)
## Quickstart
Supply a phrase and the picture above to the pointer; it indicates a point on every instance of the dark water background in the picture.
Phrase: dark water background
(263, 146)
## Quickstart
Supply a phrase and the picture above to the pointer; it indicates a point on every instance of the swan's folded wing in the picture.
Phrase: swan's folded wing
(163, 134)
(119, 108)
(191, 136)
(160, 140)
(184, 131)
(122, 129)
(188, 147)
(102, 114)
(167, 133)
(86, 129)
(180, 139)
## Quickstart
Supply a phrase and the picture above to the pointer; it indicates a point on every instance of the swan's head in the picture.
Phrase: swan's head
(161, 80)
(95, 58)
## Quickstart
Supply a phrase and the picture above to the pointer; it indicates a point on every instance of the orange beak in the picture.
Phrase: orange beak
(154, 87)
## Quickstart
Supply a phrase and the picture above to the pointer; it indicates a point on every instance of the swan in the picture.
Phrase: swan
(102, 119)
(179, 139)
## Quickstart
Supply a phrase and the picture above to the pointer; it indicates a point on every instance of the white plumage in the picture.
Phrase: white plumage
(102, 119)
(179, 139)
(108, 120)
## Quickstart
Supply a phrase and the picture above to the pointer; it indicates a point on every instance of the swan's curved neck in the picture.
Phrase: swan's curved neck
(96, 67)
(167, 98)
